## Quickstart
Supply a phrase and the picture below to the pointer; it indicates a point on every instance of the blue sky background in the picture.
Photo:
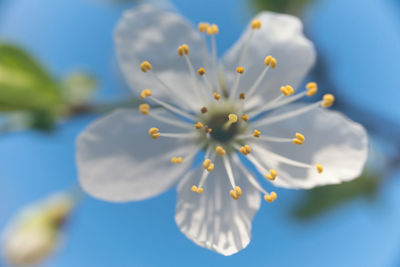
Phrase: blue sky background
(359, 38)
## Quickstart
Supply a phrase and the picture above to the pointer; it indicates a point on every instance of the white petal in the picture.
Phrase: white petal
(148, 33)
(214, 220)
(332, 140)
(118, 160)
(282, 37)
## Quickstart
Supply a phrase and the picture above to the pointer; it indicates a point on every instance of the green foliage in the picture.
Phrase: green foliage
(27, 87)
(283, 6)
(322, 199)
(24, 84)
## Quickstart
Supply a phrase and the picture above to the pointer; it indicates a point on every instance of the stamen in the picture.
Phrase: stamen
(183, 50)
(239, 71)
(270, 197)
(198, 125)
(202, 72)
(154, 133)
(208, 167)
(145, 93)
(245, 118)
(250, 177)
(256, 24)
(145, 66)
(213, 30)
(242, 96)
(271, 175)
(178, 135)
(203, 26)
(197, 190)
(312, 88)
(220, 151)
(237, 192)
(176, 160)
(256, 133)
(245, 150)
(287, 90)
(299, 139)
(328, 100)
(203, 110)
(207, 129)
(291, 162)
(269, 62)
(319, 167)
(286, 115)
(172, 108)
(217, 96)
(144, 109)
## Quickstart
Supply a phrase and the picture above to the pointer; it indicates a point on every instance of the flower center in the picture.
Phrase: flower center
(222, 132)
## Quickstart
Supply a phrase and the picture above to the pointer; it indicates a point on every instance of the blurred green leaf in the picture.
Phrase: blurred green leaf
(322, 199)
(24, 83)
(294, 7)
(78, 88)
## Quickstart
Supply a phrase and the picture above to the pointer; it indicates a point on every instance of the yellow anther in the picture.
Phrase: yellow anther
(238, 190)
(297, 141)
(207, 129)
(256, 133)
(319, 167)
(267, 60)
(213, 29)
(240, 70)
(220, 151)
(273, 63)
(270, 61)
(270, 197)
(203, 26)
(198, 125)
(154, 133)
(194, 188)
(245, 150)
(234, 194)
(232, 118)
(201, 71)
(206, 163)
(145, 93)
(245, 118)
(287, 90)
(256, 24)
(200, 190)
(210, 167)
(145, 66)
(300, 137)
(312, 88)
(177, 160)
(144, 109)
(217, 96)
(183, 50)
(271, 175)
(328, 100)
(242, 96)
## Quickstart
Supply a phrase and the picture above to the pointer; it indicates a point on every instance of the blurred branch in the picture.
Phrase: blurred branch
(294, 7)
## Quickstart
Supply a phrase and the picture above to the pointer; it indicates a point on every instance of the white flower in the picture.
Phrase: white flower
(35, 232)
(246, 106)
